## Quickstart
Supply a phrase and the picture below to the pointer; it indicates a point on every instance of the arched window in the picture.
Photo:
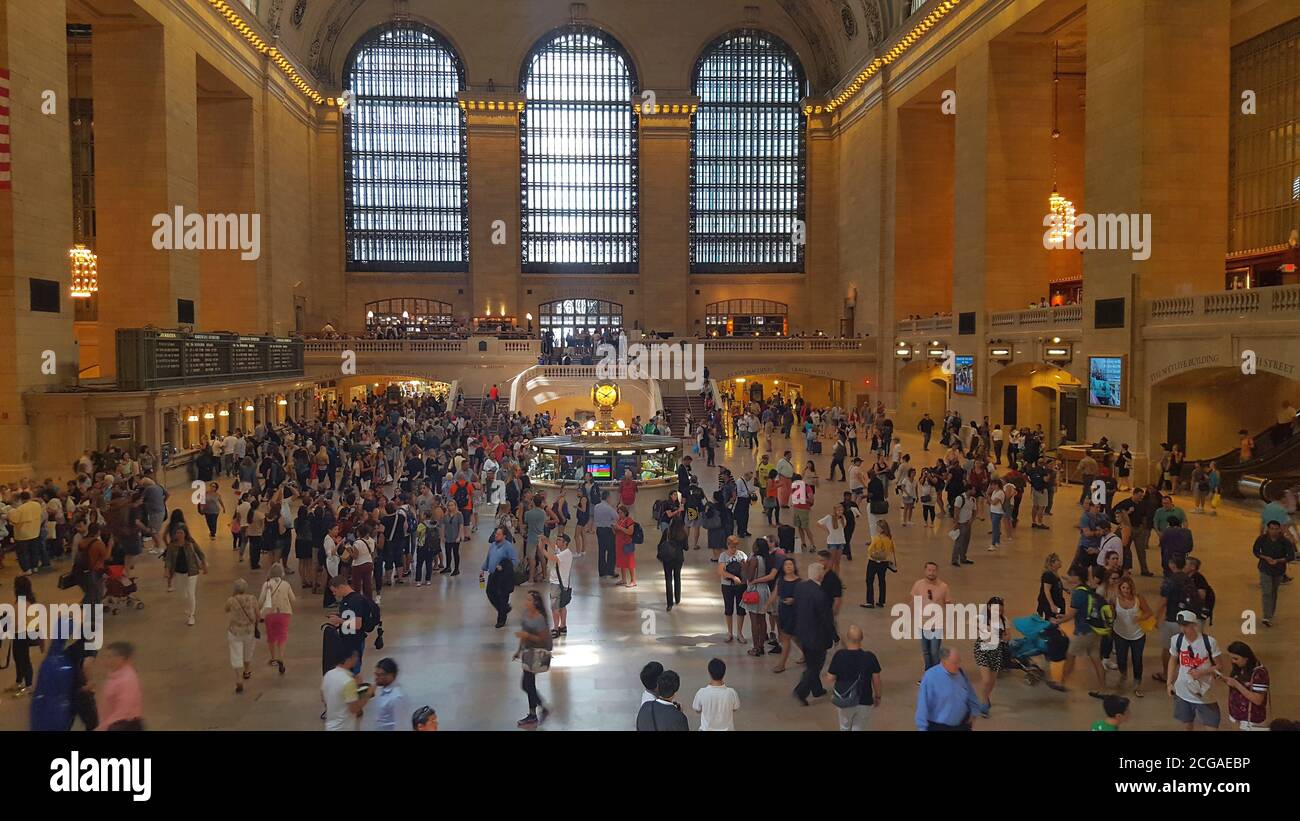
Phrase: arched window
(567, 318)
(747, 317)
(405, 192)
(578, 155)
(748, 157)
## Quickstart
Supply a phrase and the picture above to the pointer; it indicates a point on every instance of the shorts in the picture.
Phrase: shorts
(555, 595)
(155, 521)
(1040, 498)
(466, 515)
(241, 649)
(801, 517)
(1085, 644)
(731, 594)
(1187, 712)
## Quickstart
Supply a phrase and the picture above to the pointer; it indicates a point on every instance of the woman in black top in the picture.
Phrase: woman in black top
(1051, 594)
(785, 618)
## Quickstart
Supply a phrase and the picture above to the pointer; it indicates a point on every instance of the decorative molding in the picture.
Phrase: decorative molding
(475, 100)
(253, 34)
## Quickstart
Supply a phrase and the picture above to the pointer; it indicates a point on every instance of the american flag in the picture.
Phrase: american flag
(5, 177)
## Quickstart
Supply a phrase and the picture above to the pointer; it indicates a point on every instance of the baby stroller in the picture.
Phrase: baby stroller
(1039, 638)
(118, 589)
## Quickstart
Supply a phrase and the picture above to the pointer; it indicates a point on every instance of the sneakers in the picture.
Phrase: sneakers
(527, 721)
(190, 621)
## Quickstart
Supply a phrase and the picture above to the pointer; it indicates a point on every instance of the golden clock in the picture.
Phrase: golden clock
(605, 395)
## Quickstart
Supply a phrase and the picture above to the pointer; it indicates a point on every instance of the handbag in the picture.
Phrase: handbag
(536, 660)
(954, 534)
(879, 507)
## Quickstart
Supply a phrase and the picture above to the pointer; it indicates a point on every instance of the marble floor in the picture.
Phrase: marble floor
(451, 657)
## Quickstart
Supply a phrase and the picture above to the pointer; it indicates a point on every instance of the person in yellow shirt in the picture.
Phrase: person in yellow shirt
(880, 559)
(26, 520)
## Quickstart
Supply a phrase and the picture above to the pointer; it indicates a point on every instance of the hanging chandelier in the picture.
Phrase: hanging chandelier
(1062, 211)
(85, 271)
(1060, 208)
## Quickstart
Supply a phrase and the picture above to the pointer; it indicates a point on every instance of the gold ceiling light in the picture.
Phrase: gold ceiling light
(1062, 209)
(85, 271)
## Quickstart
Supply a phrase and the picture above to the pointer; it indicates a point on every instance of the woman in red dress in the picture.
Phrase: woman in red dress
(624, 549)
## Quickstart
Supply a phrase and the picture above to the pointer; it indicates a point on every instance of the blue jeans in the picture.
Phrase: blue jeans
(997, 527)
(930, 641)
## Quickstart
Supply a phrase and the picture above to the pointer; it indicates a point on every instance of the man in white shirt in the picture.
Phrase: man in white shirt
(1194, 662)
(716, 702)
(559, 558)
(343, 701)
(229, 446)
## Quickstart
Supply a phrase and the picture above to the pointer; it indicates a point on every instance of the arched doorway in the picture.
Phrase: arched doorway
(1030, 395)
(922, 389)
(747, 317)
(408, 317)
(564, 319)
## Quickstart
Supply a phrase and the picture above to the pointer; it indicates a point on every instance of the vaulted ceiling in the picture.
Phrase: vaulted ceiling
(834, 34)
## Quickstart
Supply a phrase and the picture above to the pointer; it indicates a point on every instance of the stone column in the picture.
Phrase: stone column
(1157, 145)
(1003, 179)
(36, 347)
(664, 200)
(146, 152)
(492, 128)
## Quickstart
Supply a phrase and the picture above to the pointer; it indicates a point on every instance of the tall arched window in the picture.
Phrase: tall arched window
(747, 157)
(405, 193)
(578, 155)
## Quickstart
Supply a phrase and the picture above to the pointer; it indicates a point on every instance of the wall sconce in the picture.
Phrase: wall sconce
(1059, 354)
(1001, 353)
(223, 412)
(209, 415)
(193, 417)
(248, 408)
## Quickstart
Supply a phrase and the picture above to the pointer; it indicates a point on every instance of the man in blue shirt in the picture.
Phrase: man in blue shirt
(1091, 529)
(390, 708)
(498, 573)
(946, 699)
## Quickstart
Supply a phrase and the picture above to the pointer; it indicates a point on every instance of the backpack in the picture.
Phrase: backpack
(461, 494)
(1198, 687)
(1100, 615)
(785, 538)
(657, 511)
(638, 535)
(736, 568)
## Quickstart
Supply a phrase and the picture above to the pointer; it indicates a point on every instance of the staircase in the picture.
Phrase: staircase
(678, 406)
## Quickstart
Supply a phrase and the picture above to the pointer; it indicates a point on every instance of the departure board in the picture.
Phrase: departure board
(152, 358)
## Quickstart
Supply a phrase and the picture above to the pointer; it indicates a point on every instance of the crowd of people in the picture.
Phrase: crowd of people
(378, 493)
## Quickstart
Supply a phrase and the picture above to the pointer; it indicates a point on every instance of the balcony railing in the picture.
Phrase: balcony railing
(528, 347)
(934, 323)
(782, 345)
(1062, 316)
(1281, 302)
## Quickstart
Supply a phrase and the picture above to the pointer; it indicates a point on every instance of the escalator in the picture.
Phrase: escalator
(1271, 470)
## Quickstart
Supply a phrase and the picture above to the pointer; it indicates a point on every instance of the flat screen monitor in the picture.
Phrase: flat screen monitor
(1106, 381)
(963, 375)
(598, 470)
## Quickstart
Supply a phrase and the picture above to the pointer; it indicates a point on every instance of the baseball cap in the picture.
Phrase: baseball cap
(1188, 617)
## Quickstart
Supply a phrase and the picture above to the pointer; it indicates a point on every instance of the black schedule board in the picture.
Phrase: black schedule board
(149, 358)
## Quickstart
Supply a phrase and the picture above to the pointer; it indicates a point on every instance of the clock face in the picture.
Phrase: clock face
(606, 394)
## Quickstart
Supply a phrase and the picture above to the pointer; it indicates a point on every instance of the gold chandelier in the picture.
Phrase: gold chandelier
(85, 271)
(1061, 209)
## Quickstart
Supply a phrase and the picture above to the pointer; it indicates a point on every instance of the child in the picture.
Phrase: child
(1116, 708)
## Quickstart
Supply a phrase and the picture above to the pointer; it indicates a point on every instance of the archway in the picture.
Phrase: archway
(922, 389)
(1028, 395)
(408, 317)
(1203, 410)
(747, 317)
(564, 319)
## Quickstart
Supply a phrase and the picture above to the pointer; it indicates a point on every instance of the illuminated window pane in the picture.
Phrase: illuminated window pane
(578, 155)
(406, 206)
(747, 157)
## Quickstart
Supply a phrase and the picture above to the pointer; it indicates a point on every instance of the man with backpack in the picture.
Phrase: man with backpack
(1194, 663)
(1093, 618)
(1177, 593)
(346, 633)
(854, 681)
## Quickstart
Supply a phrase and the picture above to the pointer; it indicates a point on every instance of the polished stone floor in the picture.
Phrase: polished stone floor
(452, 658)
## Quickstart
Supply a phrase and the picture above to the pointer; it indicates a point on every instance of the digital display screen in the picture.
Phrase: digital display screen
(1106, 381)
(963, 375)
(598, 470)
